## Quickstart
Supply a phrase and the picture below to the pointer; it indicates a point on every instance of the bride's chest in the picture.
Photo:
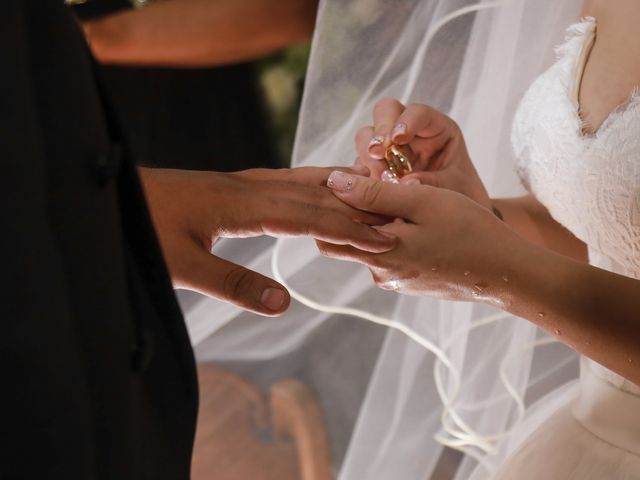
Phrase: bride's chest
(590, 184)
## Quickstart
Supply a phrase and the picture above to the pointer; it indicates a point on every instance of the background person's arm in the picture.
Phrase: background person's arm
(197, 33)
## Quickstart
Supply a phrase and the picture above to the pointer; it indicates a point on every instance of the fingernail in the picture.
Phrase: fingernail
(340, 181)
(273, 299)
(382, 232)
(375, 141)
(388, 177)
(399, 129)
(411, 181)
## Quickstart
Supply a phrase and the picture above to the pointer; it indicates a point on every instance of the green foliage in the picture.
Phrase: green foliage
(282, 79)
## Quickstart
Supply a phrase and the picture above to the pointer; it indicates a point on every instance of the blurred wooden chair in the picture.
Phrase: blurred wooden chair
(243, 434)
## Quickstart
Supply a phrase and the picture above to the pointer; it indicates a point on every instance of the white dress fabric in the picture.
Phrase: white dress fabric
(590, 183)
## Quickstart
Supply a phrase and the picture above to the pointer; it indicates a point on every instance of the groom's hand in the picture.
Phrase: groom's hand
(191, 210)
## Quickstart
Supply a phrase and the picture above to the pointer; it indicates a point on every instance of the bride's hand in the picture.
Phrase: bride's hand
(441, 159)
(448, 245)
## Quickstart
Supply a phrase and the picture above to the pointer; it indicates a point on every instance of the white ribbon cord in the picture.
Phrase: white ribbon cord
(456, 433)
(414, 72)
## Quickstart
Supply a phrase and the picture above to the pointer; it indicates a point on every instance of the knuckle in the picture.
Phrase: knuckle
(429, 179)
(313, 212)
(420, 108)
(371, 192)
(288, 174)
(421, 116)
(417, 106)
(376, 262)
(325, 249)
(238, 282)
(387, 102)
(316, 196)
(379, 278)
(385, 280)
(455, 128)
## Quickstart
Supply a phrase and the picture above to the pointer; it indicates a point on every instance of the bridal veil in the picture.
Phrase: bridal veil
(435, 374)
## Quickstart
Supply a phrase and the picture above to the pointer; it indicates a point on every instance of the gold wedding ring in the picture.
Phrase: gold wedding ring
(398, 158)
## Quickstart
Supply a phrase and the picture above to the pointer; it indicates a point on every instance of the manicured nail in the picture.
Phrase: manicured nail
(411, 181)
(399, 129)
(375, 141)
(273, 299)
(388, 177)
(382, 232)
(340, 181)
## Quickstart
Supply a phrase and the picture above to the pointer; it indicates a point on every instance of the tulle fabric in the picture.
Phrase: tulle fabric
(588, 429)
(392, 406)
(591, 429)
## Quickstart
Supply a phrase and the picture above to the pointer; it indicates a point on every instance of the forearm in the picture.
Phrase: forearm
(594, 311)
(193, 33)
(531, 220)
(456, 249)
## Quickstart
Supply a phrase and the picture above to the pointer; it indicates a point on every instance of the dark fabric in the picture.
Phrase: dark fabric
(98, 374)
(191, 118)
(90, 9)
(198, 119)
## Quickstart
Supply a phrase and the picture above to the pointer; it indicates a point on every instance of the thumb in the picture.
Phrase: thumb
(227, 281)
(371, 195)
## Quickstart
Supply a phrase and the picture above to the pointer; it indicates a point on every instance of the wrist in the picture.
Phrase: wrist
(492, 267)
(534, 276)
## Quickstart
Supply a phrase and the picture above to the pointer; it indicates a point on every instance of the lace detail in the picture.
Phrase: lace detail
(589, 183)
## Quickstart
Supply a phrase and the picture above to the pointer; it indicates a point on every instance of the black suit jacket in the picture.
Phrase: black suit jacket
(98, 378)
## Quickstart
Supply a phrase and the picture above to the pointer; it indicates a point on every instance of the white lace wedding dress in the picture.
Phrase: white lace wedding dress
(591, 185)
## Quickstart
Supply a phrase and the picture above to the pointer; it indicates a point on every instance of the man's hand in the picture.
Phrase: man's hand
(191, 210)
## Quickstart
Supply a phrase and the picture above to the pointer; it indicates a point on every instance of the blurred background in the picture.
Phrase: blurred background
(203, 84)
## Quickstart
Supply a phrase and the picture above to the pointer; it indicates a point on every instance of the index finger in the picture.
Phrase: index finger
(311, 176)
(385, 117)
(419, 120)
(394, 200)
(323, 224)
(362, 140)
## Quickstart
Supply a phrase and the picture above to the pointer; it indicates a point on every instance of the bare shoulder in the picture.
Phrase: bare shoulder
(589, 8)
(618, 9)
(612, 71)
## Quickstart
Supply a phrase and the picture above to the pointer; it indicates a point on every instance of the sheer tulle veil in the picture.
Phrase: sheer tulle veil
(435, 373)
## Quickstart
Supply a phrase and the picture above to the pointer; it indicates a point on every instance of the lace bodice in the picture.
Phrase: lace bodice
(589, 183)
